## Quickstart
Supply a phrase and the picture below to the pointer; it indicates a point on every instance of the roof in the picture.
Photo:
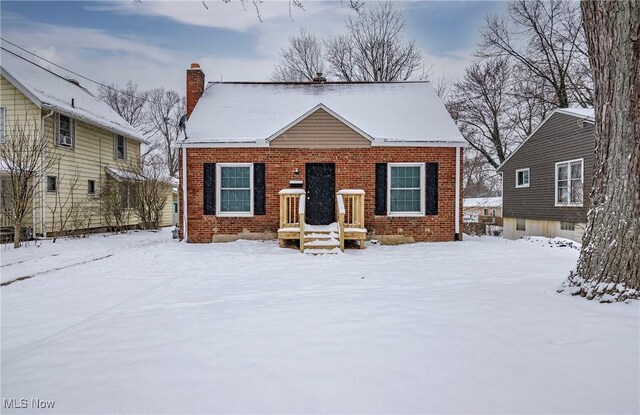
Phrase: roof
(387, 113)
(482, 202)
(54, 92)
(587, 114)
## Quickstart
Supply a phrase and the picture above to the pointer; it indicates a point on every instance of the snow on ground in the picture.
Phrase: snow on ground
(167, 327)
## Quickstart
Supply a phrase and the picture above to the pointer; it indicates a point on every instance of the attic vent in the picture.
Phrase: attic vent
(74, 81)
(319, 78)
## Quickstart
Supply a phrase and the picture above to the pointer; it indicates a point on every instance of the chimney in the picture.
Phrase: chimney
(195, 86)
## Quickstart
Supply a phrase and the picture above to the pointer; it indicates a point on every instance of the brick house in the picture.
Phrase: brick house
(319, 163)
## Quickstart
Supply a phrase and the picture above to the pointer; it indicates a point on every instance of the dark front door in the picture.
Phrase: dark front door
(321, 189)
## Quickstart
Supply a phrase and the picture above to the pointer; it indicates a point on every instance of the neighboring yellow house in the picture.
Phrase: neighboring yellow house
(93, 143)
(483, 210)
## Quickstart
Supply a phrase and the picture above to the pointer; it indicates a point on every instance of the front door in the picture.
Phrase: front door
(321, 188)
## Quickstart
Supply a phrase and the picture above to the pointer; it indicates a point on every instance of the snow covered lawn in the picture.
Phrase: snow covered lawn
(167, 327)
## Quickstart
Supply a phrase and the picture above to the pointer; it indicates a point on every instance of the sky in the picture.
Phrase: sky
(153, 42)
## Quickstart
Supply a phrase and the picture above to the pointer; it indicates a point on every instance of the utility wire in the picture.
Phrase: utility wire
(145, 99)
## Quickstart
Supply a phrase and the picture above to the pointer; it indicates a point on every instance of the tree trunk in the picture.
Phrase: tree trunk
(17, 233)
(609, 264)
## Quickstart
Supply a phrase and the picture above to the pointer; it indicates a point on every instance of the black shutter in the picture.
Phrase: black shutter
(259, 189)
(381, 189)
(432, 189)
(209, 193)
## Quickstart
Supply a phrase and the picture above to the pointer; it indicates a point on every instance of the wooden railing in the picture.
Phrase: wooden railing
(341, 215)
(354, 207)
(301, 211)
(290, 207)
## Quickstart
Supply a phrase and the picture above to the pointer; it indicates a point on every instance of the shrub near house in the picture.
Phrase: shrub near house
(389, 150)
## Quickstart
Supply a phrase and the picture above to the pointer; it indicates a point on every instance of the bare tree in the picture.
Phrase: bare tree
(65, 205)
(547, 38)
(480, 105)
(150, 193)
(166, 109)
(479, 177)
(22, 161)
(301, 60)
(373, 49)
(609, 263)
(128, 101)
(115, 204)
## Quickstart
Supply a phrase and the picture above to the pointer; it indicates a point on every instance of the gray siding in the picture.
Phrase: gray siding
(559, 139)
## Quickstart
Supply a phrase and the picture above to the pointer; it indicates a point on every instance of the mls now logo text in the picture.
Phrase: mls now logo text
(24, 403)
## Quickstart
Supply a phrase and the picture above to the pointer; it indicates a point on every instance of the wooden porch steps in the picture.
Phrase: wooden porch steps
(321, 239)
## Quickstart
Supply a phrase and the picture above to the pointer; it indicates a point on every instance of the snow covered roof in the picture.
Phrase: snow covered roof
(388, 113)
(53, 92)
(482, 202)
(579, 112)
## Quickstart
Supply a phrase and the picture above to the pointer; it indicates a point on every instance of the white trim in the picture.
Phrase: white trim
(184, 194)
(555, 187)
(263, 144)
(219, 212)
(311, 111)
(543, 122)
(422, 190)
(519, 186)
(457, 194)
(387, 142)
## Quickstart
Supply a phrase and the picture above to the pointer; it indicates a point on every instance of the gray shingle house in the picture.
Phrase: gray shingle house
(547, 180)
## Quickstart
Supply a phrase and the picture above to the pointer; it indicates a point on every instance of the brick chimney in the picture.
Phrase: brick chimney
(195, 86)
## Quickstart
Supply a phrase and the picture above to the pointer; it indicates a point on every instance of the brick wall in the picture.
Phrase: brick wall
(355, 169)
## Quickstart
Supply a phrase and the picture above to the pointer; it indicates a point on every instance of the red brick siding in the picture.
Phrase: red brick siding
(355, 169)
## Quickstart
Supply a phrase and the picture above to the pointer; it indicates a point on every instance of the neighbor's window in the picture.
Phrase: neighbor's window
(406, 189)
(121, 148)
(126, 196)
(569, 183)
(567, 226)
(91, 187)
(235, 189)
(486, 212)
(521, 225)
(2, 123)
(522, 177)
(493, 213)
(52, 183)
(6, 194)
(65, 131)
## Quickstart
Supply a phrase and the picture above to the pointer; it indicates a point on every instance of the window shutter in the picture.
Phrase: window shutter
(209, 180)
(259, 189)
(56, 129)
(431, 170)
(381, 189)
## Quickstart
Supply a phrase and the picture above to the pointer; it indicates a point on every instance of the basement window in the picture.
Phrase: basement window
(521, 224)
(567, 226)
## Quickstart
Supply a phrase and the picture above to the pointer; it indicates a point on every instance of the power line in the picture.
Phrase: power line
(145, 99)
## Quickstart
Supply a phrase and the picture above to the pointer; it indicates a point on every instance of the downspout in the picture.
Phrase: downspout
(184, 193)
(456, 236)
(43, 229)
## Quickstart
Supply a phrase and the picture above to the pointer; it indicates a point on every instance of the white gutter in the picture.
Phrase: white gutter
(184, 193)
(43, 229)
(457, 220)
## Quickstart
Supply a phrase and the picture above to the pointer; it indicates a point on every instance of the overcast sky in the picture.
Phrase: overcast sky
(153, 42)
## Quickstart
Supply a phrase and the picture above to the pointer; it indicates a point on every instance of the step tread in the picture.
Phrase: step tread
(315, 235)
(323, 243)
(316, 251)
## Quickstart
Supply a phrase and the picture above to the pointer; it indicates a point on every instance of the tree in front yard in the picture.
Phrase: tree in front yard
(609, 264)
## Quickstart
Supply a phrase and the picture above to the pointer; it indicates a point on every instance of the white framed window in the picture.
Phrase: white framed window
(3, 111)
(406, 189)
(65, 131)
(234, 189)
(120, 147)
(485, 212)
(521, 224)
(567, 226)
(52, 184)
(522, 177)
(569, 182)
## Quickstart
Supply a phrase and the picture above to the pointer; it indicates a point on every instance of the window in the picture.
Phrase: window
(406, 189)
(486, 212)
(2, 123)
(493, 213)
(126, 195)
(65, 131)
(120, 148)
(6, 194)
(567, 226)
(521, 225)
(522, 177)
(52, 183)
(235, 189)
(91, 187)
(569, 184)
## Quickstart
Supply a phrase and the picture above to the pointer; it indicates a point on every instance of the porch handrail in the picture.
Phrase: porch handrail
(301, 212)
(354, 207)
(341, 213)
(289, 207)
